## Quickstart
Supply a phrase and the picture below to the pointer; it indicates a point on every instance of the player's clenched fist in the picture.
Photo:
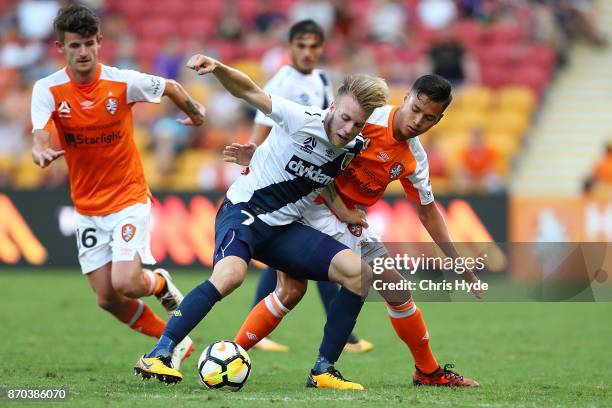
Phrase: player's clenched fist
(202, 64)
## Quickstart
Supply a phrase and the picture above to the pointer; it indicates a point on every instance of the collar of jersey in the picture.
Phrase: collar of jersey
(98, 73)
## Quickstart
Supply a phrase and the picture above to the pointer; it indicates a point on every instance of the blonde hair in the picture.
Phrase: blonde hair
(370, 92)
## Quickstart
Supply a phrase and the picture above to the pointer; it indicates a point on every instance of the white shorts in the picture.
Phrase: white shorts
(114, 237)
(363, 241)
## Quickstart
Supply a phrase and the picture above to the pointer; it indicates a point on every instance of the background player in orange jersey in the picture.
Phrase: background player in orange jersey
(392, 152)
(89, 105)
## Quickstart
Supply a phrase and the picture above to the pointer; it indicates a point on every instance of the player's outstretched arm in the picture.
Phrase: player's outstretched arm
(194, 110)
(433, 221)
(337, 205)
(236, 82)
(42, 154)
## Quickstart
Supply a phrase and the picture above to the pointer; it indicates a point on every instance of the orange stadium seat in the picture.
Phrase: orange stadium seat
(515, 123)
(474, 98)
(251, 67)
(516, 98)
(463, 121)
(506, 143)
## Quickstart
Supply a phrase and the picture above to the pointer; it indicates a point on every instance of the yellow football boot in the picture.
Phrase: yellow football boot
(158, 367)
(331, 378)
(267, 344)
(362, 346)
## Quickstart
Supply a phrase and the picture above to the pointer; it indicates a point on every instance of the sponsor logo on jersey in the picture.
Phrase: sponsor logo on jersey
(309, 144)
(70, 139)
(365, 186)
(383, 156)
(301, 168)
(396, 170)
(111, 105)
(87, 105)
(127, 232)
(304, 99)
(355, 229)
(329, 153)
(347, 159)
(155, 85)
(64, 110)
(91, 141)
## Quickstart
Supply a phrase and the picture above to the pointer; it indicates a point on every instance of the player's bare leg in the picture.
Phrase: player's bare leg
(132, 281)
(125, 280)
(132, 312)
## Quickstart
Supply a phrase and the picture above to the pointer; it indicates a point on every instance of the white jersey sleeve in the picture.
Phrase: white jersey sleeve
(290, 116)
(140, 87)
(42, 106)
(418, 185)
(144, 87)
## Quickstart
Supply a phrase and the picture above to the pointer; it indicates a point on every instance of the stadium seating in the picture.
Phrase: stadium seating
(515, 72)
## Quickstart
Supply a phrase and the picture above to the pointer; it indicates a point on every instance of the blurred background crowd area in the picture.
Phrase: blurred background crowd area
(502, 57)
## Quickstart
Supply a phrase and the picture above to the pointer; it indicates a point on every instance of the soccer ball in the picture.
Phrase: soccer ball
(224, 364)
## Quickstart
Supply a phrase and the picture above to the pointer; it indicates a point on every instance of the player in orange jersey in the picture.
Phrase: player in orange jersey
(90, 106)
(392, 152)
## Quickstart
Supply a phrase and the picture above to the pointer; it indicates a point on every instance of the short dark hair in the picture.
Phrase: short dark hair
(435, 87)
(306, 27)
(76, 18)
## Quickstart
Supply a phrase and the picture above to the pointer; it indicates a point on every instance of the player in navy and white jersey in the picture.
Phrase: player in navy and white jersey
(303, 83)
(299, 81)
(307, 149)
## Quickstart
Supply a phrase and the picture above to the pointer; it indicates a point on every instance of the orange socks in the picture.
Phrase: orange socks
(141, 318)
(409, 325)
(154, 282)
(261, 321)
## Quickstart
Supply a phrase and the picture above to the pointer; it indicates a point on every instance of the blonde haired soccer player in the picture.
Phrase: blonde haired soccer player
(307, 148)
(90, 106)
(301, 82)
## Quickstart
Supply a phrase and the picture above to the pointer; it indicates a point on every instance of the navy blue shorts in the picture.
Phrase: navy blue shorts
(296, 249)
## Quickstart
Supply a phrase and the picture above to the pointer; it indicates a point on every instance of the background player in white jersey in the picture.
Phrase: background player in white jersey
(303, 83)
(306, 150)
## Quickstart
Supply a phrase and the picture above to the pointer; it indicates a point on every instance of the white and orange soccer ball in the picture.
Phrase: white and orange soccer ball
(224, 364)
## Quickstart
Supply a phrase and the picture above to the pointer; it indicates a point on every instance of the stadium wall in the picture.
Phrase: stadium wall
(37, 228)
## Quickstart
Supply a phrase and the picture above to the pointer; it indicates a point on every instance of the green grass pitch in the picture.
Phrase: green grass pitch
(523, 354)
